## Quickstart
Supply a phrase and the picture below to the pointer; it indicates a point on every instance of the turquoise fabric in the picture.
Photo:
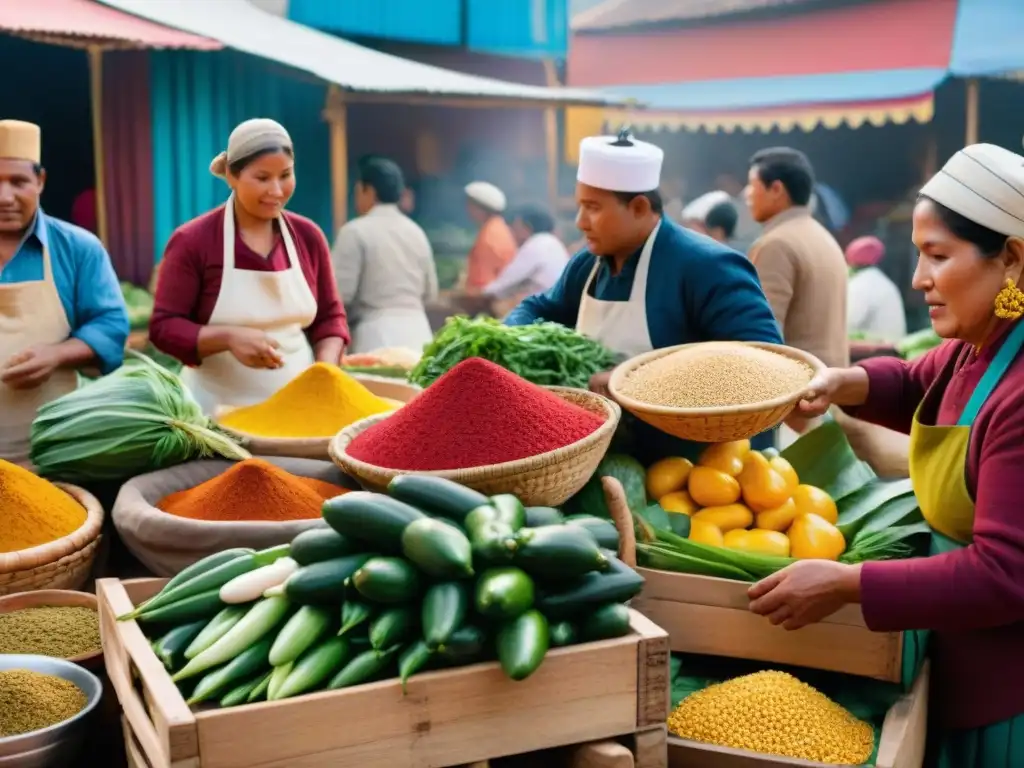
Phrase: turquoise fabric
(995, 746)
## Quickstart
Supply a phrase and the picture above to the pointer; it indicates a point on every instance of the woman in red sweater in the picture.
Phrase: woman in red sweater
(246, 296)
(963, 406)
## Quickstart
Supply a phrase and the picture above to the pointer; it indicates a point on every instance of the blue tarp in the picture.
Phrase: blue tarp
(988, 38)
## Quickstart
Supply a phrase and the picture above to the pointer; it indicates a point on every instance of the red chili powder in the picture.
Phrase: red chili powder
(476, 414)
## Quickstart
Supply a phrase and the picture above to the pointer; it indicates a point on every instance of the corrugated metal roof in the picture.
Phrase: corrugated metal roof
(987, 38)
(611, 14)
(244, 27)
(84, 23)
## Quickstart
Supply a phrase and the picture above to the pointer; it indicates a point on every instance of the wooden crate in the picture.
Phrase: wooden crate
(902, 742)
(708, 615)
(582, 693)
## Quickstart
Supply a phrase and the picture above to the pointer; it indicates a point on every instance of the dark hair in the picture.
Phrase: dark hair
(240, 164)
(788, 166)
(37, 168)
(654, 197)
(383, 176)
(723, 216)
(537, 218)
(988, 242)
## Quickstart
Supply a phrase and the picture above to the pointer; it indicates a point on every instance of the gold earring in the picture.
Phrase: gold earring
(1009, 301)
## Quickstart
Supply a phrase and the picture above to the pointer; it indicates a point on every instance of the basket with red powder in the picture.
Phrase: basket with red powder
(486, 428)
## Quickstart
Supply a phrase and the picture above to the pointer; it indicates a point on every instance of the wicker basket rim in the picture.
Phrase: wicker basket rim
(52, 551)
(620, 373)
(611, 410)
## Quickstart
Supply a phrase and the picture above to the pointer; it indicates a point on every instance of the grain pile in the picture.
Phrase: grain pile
(774, 713)
(30, 701)
(715, 375)
(61, 631)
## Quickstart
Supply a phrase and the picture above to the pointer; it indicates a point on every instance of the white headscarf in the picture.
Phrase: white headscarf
(247, 139)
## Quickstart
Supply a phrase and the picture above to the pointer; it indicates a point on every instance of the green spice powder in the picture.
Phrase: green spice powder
(56, 631)
(30, 701)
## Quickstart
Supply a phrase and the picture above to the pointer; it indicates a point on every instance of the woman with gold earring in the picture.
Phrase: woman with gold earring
(963, 407)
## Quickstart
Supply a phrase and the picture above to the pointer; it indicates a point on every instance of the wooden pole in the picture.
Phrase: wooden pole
(337, 118)
(551, 134)
(973, 89)
(96, 105)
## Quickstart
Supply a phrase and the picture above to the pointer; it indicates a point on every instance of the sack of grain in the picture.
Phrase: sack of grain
(167, 543)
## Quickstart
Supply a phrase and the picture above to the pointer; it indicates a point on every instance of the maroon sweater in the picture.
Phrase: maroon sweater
(191, 271)
(973, 597)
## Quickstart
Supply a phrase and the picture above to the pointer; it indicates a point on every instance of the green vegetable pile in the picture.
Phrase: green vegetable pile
(432, 575)
(548, 354)
(139, 302)
(916, 344)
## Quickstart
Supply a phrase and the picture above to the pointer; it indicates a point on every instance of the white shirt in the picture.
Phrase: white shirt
(875, 306)
(536, 267)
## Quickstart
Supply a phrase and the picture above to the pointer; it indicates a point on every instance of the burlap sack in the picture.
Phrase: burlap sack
(166, 544)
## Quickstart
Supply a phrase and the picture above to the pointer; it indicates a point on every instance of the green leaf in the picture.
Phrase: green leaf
(657, 517)
(823, 458)
(857, 508)
(679, 523)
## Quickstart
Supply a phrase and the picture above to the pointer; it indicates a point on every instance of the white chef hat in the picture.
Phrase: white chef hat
(983, 183)
(619, 163)
(487, 195)
(20, 141)
(699, 209)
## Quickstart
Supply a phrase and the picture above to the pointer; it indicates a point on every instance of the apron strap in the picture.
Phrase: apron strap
(993, 375)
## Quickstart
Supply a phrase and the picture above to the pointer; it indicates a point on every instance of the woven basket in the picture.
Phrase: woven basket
(712, 425)
(399, 392)
(61, 564)
(548, 479)
(63, 598)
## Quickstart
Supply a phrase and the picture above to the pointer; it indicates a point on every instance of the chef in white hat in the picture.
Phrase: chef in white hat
(61, 307)
(495, 244)
(644, 282)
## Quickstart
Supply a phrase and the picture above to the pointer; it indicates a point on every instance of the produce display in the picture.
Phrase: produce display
(549, 354)
(60, 631)
(475, 415)
(714, 375)
(30, 701)
(431, 575)
(918, 343)
(34, 511)
(139, 302)
(319, 402)
(252, 490)
(392, 362)
(135, 420)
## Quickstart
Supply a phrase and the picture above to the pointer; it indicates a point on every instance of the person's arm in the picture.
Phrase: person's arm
(561, 302)
(100, 314)
(522, 267)
(776, 268)
(896, 387)
(173, 328)
(347, 258)
(431, 289)
(328, 334)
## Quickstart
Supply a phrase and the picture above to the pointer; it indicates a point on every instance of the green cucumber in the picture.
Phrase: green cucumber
(240, 693)
(437, 549)
(208, 563)
(608, 621)
(522, 644)
(201, 606)
(510, 510)
(277, 678)
(393, 626)
(364, 668)
(466, 644)
(170, 648)
(436, 495)
(306, 626)
(538, 517)
(323, 583)
(259, 693)
(618, 584)
(387, 580)
(504, 593)
(216, 683)
(353, 613)
(322, 544)
(481, 517)
(413, 659)
(558, 551)
(443, 610)
(216, 629)
(493, 542)
(604, 531)
(317, 665)
(563, 633)
(371, 517)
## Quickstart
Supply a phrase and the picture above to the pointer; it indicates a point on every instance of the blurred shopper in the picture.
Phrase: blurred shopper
(874, 305)
(747, 227)
(695, 212)
(495, 245)
(720, 223)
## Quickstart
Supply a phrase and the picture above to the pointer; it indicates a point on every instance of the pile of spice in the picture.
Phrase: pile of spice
(252, 490)
(30, 701)
(715, 375)
(61, 631)
(319, 402)
(34, 511)
(476, 414)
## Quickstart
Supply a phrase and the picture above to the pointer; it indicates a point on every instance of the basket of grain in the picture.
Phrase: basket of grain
(714, 392)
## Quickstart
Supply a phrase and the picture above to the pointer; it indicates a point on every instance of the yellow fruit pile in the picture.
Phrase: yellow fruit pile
(741, 499)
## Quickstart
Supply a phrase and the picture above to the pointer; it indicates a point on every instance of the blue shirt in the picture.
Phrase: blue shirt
(85, 281)
(697, 290)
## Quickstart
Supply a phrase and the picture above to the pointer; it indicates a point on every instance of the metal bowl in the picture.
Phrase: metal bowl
(53, 746)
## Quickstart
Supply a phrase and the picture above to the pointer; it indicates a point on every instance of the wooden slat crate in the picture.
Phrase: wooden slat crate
(591, 692)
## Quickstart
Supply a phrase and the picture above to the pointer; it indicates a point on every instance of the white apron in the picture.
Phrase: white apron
(279, 303)
(390, 328)
(620, 325)
(31, 314)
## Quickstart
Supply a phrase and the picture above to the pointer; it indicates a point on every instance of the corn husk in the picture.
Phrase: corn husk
(138, 419)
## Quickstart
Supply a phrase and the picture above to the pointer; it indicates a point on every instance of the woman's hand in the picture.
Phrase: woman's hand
(805, 592)
(833, 386)
(599, 383)
(254, 348)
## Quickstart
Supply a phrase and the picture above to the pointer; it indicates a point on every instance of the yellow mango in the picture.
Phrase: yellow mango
(778, 519)
(704, 532)
(814, 537)
(763, 488)
(679, 502)
(667, 476)
(785, 469)
(758, 541)
(712, 488)
(728, 517)
(814, 501)
(725, 457)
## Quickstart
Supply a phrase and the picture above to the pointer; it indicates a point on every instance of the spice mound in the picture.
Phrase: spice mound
(30, 701)
(319, 402)
(34, 511)
(252, 490)
(61, 631)
(476, 414)
(716, 375)
(774, 713)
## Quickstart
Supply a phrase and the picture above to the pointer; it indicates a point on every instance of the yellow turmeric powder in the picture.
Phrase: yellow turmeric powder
(33, 511)
(319, 402)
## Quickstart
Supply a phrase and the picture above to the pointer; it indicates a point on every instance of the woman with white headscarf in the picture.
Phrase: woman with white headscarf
(963, 406)
(246, 297)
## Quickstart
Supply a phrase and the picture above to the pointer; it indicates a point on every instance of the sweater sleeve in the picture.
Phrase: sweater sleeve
(173, 328)
(776, 266)
(896, 387)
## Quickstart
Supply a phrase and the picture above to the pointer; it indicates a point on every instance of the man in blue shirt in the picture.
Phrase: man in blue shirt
(61, 307)
(644, 282)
